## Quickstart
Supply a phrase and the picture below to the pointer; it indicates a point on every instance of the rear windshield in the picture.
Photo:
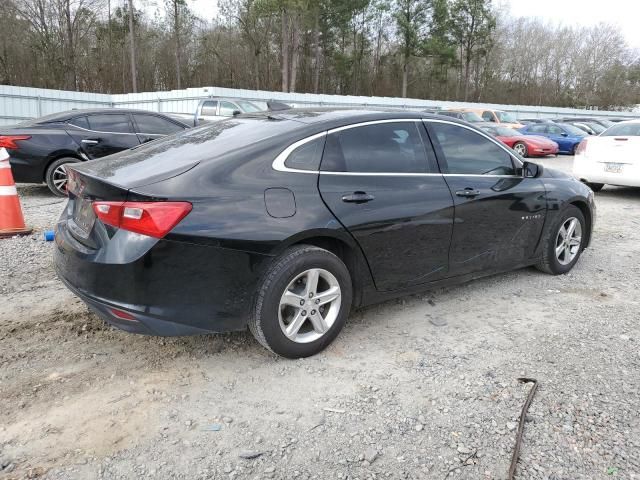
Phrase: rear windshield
(573, 130)
(472, 117)
(622, 130)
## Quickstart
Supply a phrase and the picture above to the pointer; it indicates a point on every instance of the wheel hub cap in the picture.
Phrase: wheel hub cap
(302, 325)
(568, 241)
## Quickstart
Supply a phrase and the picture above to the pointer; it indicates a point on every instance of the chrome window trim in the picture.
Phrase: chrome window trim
(279, 162)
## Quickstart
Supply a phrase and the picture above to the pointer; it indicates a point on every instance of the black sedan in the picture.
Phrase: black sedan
(284, 222)
(40, 149)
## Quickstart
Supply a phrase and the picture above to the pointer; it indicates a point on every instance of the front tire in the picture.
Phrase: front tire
(302, 303)
(563, 242)
(521, 149)
(56, 176)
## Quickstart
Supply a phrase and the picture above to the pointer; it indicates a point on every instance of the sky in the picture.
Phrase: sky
(623, 13)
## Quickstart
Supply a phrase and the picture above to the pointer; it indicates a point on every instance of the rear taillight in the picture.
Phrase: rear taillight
(582, 147)
(9, 141)
(154, 219)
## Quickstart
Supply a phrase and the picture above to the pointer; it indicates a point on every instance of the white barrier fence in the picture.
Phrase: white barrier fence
(23, 103)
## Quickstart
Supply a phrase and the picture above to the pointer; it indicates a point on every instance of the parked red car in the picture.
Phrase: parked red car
(525, 145)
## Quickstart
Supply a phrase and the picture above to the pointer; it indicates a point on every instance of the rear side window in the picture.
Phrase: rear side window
(80, 122)
(394, 147)
(115, 123)
(468, 152)
(488, 116)
(155, 125)
(209, 108)
(537, 128)
(307, 156)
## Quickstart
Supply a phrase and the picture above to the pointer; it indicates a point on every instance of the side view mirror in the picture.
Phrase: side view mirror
(532, 170)
(564, 134)
(236, 112)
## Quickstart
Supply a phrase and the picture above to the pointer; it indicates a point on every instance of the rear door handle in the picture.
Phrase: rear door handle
(468, 192)
(90, 142)
(358, 197)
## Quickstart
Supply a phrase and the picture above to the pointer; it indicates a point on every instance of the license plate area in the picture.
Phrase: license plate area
(613, 167)
(83, 216)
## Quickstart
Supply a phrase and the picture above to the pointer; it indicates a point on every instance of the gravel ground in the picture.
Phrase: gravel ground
(422, 387)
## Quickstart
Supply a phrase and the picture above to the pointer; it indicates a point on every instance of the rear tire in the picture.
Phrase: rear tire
(290, 316)
(55, 176)
(561, 252)
(596, 187)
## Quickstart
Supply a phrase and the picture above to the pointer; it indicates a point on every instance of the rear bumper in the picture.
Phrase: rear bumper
(593, 171)
(173, 288)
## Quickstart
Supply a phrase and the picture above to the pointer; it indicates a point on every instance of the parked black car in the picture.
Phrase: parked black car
(284, 222)
(40, 149)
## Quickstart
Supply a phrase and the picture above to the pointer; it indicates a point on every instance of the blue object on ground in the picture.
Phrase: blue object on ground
(49, 235)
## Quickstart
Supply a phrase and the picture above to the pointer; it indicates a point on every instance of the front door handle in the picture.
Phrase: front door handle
(468, 192)
(90, 141)
(358, 197)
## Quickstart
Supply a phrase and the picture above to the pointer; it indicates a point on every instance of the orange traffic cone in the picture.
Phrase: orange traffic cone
(11, 219)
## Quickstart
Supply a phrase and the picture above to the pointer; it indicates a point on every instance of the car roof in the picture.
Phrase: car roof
(332, 117)
(68, 114)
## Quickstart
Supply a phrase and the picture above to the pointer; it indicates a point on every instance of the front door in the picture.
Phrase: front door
(105, 134)
(381, 182)
(499, 214)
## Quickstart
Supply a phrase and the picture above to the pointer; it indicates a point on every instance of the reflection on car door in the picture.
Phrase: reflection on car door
(149, 127)
(381, 182)
(107, 133)
(498, 214)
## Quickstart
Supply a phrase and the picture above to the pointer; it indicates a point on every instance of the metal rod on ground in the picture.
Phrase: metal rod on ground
(523, 414)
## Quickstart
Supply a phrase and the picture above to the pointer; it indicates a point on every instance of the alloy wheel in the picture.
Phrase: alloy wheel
(520, 149)
(568, 241)
(59, 178)
(309, 305)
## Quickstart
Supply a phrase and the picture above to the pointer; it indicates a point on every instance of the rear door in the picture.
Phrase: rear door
(103, 134)
(498, 214)
(380, 180)
(149, 127)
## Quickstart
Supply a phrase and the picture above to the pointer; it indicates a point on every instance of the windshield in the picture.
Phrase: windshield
(623, 130)
(472, 117)
(506, 132)
(248, 107)
(505, 117)
(573, 130)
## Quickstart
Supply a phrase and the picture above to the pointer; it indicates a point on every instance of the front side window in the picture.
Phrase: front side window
(114, 123)
(80, 122)
(248, 107)
(394, 147)
(553, 130)
(209, 108)
(155, 125)
(227, 109)
(468, 152)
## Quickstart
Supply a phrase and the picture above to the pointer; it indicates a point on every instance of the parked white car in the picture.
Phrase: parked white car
(613, 157)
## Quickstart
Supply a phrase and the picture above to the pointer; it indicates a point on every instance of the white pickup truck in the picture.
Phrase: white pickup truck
(217, 108)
